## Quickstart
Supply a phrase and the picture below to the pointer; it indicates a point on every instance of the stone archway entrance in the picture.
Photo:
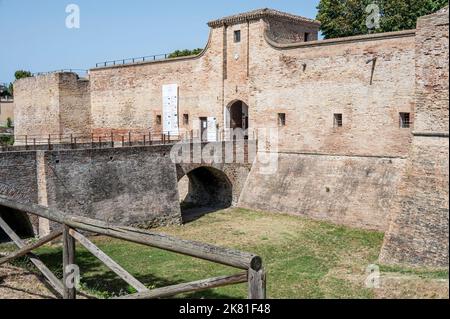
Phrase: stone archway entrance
(204, 190)
(237, 115)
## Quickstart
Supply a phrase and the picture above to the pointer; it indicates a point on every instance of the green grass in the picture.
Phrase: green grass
(303, 258)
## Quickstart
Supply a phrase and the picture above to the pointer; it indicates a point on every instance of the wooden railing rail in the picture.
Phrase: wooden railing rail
(255, 274)
(189, 287)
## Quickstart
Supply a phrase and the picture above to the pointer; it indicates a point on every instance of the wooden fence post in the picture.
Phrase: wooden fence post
(256, 284)
(68, 260)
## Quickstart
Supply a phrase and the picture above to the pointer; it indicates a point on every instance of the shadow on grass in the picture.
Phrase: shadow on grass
(192, 213)
(100, 281)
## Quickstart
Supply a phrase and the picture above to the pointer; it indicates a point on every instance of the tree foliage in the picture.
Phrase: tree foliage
(186, 52)
(4, 91)
(342, 18)
(6, 140)
(9, 122)
(8, 91)
(11, 89)
(22, 74)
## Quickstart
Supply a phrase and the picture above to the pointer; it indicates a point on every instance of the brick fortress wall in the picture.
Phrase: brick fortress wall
(419, 233)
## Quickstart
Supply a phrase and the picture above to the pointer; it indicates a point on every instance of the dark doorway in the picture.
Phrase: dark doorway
(236, 115)
(239, 115)
(207, 190)
(18, 222)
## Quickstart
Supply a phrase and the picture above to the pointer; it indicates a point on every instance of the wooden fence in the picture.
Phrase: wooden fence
(251, 264)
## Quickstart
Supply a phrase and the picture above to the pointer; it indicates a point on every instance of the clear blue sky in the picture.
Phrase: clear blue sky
(35, 38)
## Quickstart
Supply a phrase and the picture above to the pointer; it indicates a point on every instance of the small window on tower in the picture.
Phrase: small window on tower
(237, 36)
(306, 36)
(338, 120)
(405, 120)
(186, 119)
(281, 119)
(158, 120)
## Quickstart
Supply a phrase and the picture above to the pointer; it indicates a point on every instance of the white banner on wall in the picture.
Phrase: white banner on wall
(170, 109)
(212, 129)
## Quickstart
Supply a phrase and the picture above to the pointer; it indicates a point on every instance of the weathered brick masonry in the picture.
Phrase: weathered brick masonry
(57, 103)
(6, 111)
(355, 191)
(419, 233)
(348, 174)
(127, 186)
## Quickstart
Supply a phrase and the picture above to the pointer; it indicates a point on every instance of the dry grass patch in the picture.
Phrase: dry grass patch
(240, 227)
(412, 287)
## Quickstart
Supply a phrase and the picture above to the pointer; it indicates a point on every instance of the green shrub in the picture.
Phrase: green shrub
(186, 52)
(6, 140)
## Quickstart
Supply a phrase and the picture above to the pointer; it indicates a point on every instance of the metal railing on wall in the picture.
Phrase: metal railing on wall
(94, 140)
(156, 57)
(114, 138)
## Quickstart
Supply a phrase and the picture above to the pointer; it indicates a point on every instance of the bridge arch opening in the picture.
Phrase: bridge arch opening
(202, 191)
(18, 222)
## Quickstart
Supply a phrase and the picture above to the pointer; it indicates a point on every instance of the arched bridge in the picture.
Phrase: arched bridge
(133, 186)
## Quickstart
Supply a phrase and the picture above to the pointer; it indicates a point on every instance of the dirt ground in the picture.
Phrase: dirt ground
(17, 283)
(412, 287)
